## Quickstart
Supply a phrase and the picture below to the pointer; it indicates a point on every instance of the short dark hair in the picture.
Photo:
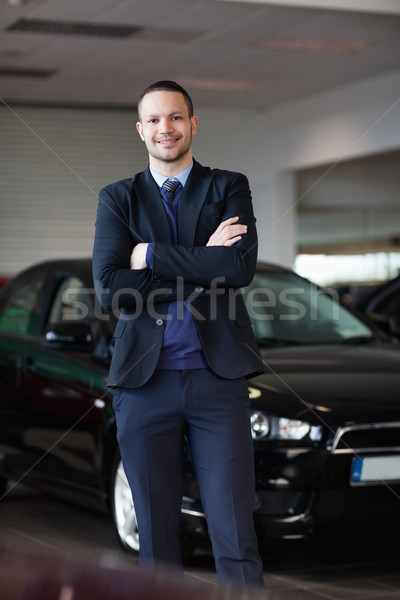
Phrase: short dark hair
(167, 86)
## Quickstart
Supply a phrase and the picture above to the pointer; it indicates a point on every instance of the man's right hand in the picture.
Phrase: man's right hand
(228, 233)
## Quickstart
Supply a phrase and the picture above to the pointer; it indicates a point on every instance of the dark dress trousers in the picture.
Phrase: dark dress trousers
(209, 405)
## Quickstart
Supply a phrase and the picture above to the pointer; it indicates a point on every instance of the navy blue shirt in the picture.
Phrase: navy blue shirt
(181, 348)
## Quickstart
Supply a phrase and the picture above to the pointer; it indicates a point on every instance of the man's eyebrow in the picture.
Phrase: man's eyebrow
(175, 112)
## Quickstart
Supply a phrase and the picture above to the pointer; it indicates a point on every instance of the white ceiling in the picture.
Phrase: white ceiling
(228, 53)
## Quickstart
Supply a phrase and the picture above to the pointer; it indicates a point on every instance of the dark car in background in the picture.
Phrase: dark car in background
(325, 416)
(382, 306)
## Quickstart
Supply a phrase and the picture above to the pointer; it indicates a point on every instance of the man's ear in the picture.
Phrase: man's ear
(140, 131)
(195, 122)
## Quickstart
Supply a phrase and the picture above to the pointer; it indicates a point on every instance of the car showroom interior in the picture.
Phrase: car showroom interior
(302, 97)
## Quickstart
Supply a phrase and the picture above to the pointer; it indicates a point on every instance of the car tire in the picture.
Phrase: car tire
(122, 508)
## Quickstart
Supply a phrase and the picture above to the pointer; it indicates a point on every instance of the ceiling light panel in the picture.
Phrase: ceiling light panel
(314, 45)
(25, 72)
(218, 84)
(73, 28)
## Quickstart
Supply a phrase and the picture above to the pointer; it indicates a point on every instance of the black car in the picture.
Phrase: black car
(382, 306)
(325, 416)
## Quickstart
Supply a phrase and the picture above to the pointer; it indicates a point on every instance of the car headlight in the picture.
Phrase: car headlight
(259, 425)
(292, 429)
(279, 428)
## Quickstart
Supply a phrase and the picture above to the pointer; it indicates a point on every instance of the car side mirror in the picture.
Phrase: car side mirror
(69, 336)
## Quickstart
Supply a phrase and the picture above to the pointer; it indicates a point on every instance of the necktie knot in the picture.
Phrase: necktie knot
(171, 185)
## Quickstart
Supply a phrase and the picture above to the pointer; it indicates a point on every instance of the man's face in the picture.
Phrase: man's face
(166, 129)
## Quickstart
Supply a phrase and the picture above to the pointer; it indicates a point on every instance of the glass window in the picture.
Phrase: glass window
(287, 309)
(73, 302)
(19, 308)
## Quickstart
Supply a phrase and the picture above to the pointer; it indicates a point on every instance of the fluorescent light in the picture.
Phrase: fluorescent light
(218, 84)
(314, 45)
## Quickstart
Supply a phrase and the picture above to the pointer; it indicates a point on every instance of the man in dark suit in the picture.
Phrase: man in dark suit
(173, 262)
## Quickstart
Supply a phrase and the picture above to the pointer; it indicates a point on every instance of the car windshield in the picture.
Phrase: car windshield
(286, 309)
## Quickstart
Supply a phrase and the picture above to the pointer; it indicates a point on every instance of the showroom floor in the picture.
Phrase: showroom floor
(333, 565)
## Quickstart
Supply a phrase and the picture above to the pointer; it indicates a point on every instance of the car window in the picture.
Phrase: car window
(286, 308)
(18, 311)
(73, 302)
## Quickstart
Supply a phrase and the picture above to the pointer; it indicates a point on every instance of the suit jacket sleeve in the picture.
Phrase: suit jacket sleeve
(118, 286)
(233, 266)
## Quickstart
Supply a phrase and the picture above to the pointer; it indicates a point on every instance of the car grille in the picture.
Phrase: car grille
(356, 503)
(367, 437)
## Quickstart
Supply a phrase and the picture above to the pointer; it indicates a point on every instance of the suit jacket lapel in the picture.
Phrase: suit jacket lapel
(150, 212)
(193, 199)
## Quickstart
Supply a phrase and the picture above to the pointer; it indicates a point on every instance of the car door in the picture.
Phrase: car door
(19, 319)
(66, 385)
(63, 401)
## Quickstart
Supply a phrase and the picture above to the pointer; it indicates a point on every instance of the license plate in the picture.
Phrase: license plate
(375, 469)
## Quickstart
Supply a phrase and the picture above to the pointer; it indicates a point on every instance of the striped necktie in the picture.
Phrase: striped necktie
(171, 185)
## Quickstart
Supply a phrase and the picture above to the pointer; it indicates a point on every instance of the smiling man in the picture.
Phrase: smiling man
(167, 125)
(173, 248)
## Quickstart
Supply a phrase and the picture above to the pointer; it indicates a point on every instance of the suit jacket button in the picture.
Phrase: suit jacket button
(199, 289)
(159, 322)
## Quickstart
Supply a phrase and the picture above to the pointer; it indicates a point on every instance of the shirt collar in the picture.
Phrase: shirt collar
(181, 177)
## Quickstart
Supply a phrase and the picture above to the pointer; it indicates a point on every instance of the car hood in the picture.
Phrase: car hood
(340, 384)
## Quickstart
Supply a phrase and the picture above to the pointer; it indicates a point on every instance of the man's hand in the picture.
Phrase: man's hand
(228, 233)
(138, 256)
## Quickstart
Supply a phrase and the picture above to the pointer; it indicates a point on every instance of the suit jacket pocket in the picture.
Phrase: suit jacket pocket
(210, 217)
(212, 211)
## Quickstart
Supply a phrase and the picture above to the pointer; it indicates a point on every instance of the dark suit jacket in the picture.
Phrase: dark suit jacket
(209, 278)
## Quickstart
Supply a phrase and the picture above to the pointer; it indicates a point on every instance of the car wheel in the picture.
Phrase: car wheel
(122, 508)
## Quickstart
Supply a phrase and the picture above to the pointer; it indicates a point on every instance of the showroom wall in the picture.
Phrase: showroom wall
(53, 161)
(360, 197)
(324, 131)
